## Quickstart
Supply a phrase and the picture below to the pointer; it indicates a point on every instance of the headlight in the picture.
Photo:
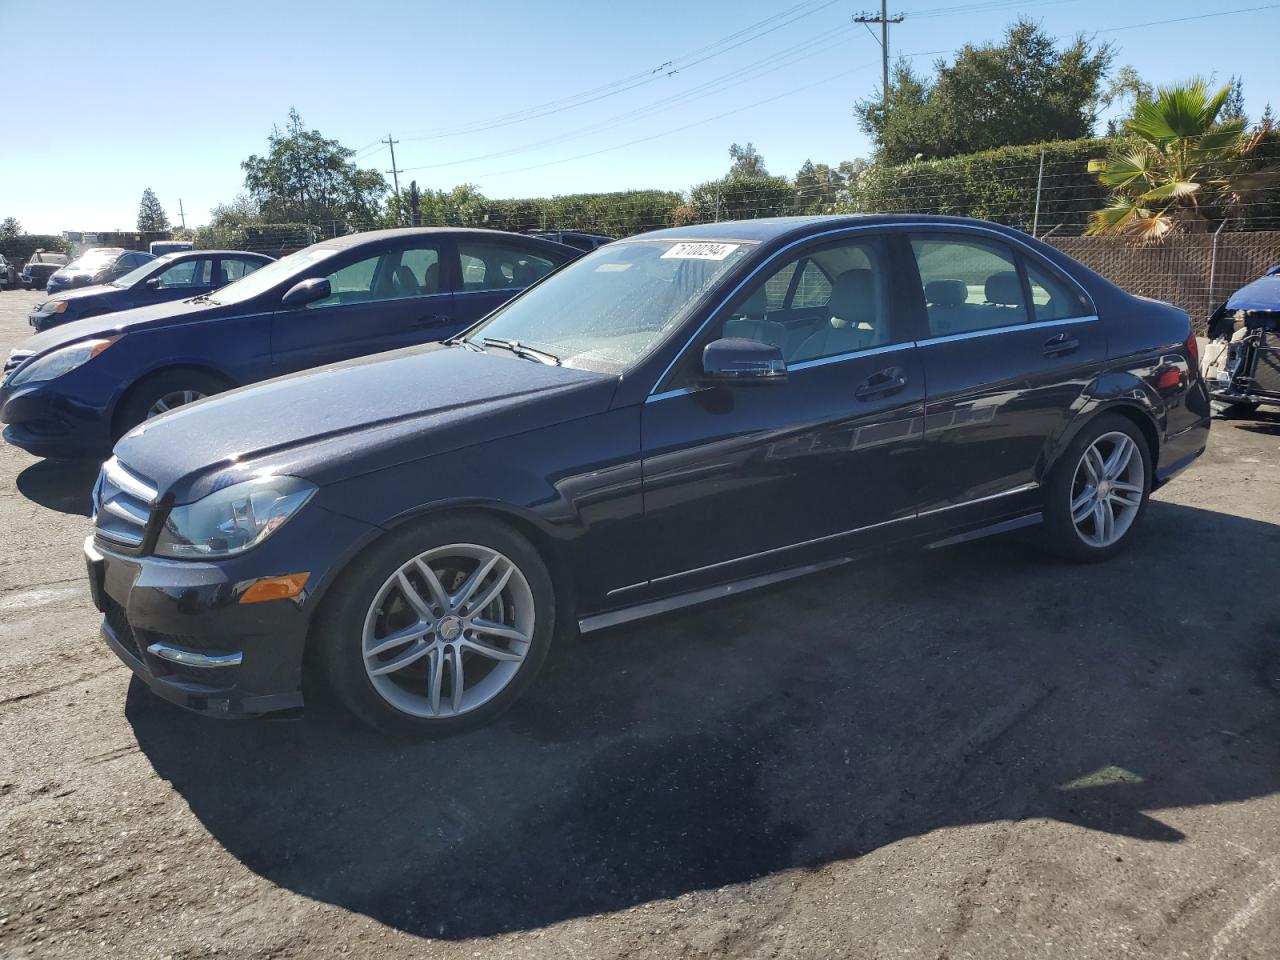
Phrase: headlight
(55, 364)
(51, 307)
(233, 519)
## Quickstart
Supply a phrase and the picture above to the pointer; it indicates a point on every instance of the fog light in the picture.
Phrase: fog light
(274, 588)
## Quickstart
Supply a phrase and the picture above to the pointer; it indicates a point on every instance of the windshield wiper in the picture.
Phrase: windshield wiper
(522, 350)
(203, 298)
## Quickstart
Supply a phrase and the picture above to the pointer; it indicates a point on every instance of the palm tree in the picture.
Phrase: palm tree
(1183, 159)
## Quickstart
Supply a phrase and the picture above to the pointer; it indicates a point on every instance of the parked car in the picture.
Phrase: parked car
(675, 417)
(1242, 361)
(175, 276)
(8, 274)
(73, 390)
(574, 238)
(98, 265)
(158, 248)
(35, 275)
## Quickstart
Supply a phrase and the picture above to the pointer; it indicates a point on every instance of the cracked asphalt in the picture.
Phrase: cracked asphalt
(977, 752)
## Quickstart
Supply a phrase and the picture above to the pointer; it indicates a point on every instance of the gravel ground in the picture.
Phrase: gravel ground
(977, 752)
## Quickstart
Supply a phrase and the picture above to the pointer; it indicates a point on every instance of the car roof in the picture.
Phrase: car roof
(774, 228)
(354, 239)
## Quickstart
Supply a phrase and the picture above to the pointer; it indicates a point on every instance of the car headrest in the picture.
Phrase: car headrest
(1004, 288)
(853, 298)
(431, 279)
(946, 293)
(523, 273)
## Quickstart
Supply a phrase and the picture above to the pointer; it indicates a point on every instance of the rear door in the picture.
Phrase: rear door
(380, 300)
(493, 270)
(1010, 344)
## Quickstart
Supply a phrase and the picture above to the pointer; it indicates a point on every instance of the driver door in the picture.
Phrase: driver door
(744, 476)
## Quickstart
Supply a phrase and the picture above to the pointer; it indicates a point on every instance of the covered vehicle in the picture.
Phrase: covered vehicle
(175, 276)
(97, 265)
(1242, 363)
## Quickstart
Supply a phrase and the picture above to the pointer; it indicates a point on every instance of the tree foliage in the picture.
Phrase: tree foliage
(305, 177)
(1185, 161)
(151, 215)
(1024, 90)
(747, 161)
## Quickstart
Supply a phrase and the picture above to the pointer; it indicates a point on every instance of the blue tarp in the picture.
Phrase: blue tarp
(1262, 294)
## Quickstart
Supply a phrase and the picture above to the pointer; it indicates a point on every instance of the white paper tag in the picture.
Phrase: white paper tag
(613, 267)
(700, 250)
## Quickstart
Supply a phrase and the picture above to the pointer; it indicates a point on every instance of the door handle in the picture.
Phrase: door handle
(1061, 345)
(881, 384)
(432, 320)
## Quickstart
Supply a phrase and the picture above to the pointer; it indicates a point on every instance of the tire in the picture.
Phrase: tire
(1080, 537)
(369, 609)
(141, 400)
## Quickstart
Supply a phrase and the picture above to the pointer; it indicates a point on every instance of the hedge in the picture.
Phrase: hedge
(20, 248)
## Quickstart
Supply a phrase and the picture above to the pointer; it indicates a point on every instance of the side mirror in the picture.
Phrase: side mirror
(306, 291)
(153, 283)
(734, 359)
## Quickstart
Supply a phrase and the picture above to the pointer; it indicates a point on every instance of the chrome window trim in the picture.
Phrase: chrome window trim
(849, 355)
(857, 228)
(1007, 328)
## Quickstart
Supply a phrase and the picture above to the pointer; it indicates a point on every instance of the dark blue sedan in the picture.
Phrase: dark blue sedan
(175, 276)
(676, 417)
(94, 266)
(72, 391)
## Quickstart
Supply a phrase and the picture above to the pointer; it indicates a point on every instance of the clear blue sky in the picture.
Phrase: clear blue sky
(174, 96)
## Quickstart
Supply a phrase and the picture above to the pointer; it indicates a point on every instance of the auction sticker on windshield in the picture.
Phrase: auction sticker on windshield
(700, 251)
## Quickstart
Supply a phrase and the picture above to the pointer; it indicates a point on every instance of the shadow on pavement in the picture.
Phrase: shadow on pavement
(792, 728)
(62, 485)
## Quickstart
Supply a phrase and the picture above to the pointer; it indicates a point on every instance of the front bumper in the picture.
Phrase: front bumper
(47, 421)
(180, 628)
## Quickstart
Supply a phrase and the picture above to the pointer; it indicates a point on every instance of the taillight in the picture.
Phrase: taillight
(1192, 346)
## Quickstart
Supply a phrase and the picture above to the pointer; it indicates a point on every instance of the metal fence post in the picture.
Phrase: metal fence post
(1213, 264)
(1035, 217)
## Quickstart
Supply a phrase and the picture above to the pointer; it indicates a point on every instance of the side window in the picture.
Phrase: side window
(351, 284)
(487, 265)
(184, 274)
(814, 289)
(844, 314)
(233, 268)
(423, 266)
(776, 287)
(969, 284)
(1053, 297)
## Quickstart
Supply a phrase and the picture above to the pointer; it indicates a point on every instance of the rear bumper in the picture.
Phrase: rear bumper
(1182, 449)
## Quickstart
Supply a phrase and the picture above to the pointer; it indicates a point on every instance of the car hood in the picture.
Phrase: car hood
(97, 290)
(112, 324)
(1263, 294)
(355, 417)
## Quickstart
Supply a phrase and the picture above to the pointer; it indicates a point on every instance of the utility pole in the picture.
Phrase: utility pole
(884, 20)
(182, 216)
(394, 171)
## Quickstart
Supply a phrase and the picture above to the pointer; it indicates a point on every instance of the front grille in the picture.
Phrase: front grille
(120, 628)
(122, 503)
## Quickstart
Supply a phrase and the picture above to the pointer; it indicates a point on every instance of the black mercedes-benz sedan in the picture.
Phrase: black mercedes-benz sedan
(673, 418)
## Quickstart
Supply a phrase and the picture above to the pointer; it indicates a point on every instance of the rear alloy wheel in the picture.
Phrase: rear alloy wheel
(438, 627)
(1098, 491)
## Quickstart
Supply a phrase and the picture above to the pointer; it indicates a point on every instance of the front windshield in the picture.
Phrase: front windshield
(607, 310)
(138, 274)
(264, 278)
(93, 261)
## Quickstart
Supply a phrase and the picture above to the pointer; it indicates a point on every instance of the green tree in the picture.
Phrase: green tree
(1126, 89)
(747, 161)
(1183, 159)
(817, 188)
(1023, 90)
(307, 178)
(10, 228)
(151, 215)
(1233, 108)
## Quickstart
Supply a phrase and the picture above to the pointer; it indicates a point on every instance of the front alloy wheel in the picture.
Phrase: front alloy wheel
(438, 627)
(175, 398)
(448, 631)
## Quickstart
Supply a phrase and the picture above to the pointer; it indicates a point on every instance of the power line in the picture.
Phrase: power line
(884, 20)
(394, 171)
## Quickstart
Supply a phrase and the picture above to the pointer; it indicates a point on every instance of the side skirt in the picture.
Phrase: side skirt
(1004, 526)
(653, 608)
